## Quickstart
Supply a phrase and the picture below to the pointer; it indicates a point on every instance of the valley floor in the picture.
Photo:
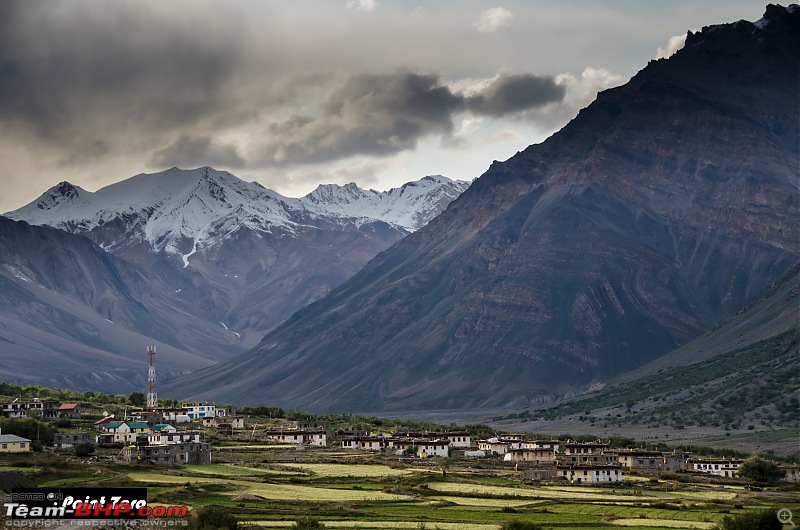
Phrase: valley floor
(270, 486)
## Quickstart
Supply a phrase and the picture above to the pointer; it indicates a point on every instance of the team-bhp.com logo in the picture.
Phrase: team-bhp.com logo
(84, 503)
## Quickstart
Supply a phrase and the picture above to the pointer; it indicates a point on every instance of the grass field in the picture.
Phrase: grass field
(262, 488)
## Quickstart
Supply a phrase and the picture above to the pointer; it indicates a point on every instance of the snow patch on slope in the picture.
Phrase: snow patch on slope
(183, 212)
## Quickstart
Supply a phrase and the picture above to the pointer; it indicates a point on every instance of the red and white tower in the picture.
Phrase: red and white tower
(152, 400)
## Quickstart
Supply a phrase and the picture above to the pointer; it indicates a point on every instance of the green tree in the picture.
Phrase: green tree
(761, 520)
(29, 428)
(443, 463)
(137, 399)
(760, 470)
(307, 523)
(84, 449)
(213, 517)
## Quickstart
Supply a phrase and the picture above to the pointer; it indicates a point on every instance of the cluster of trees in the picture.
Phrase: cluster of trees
(38, 432)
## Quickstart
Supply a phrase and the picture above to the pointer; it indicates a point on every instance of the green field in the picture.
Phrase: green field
(265, 490)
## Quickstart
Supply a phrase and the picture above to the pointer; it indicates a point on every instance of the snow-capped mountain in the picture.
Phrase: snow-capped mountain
(219, 261)
(410, 206)
(183, 211)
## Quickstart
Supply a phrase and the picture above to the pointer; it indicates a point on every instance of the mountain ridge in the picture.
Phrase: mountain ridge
(209, 264)
(659, 212)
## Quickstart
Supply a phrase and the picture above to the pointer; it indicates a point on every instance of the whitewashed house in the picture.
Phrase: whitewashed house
(429, 448)
(176, 437)
(589, 474)
(364, 443)
(317, 438)
(458, 440)
(536, 456)
(722, 468)
(493, 446)
(198, 411)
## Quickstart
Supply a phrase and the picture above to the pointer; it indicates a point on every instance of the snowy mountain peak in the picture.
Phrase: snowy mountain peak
(182, 211)
(336, 194)
(63, 192)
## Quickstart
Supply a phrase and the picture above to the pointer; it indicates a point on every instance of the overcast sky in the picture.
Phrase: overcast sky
(297, 93)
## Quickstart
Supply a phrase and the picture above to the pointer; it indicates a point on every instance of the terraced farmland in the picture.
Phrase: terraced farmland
(274, 488)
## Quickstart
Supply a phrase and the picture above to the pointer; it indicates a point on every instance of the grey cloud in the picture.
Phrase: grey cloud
(513, 93)
(367, 114)
(189, 151)
(385, 114)
(78, 73)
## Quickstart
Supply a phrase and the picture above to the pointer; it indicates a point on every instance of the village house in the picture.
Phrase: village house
(649, 460)
(232, 422)
(722, 468)
(365, 443)
(792, 474)
(588, 453)
(65, 440)
(121, 432)
(429, 448)
(458, 439)
(536, 456)
(493, 446)
(150, 417)
(171, 415)
(69, 410)
(174, 437)
(313, 425)
(589, 474)
(11, 443)
(315, 438)
(34, 408)
(198, 411)
(164, 427)
(400, 446)
(228, 410)
(42, 409)
(542, 444)
(168, 455)
(13, 410)
(100, 424)
(513, 441)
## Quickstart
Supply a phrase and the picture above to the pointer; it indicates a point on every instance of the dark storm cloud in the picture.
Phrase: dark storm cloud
(73, 74)
(189, 151)
(88, 82)
(514, 93)
(385, 114)
(367, 114)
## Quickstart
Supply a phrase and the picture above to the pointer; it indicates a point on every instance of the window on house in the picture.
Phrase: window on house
(5, 446)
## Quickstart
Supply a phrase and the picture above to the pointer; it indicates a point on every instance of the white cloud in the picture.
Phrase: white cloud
(419, 12)
(493, 19)
(580, 92)
(675, 43)
(361, 5)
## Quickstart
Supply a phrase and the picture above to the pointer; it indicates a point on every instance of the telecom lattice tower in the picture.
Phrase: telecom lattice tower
(152, 400)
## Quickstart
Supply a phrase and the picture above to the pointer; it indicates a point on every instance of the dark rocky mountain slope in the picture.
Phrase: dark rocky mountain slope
(198, 262)
(739, 383)
(72, 315)
(659, 212)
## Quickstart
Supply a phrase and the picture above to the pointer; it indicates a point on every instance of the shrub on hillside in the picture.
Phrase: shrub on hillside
(215, 518)
(307, 523)
(761, 520)
(84, 449)
(520, 525)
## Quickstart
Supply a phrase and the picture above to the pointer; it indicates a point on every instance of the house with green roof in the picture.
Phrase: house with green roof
(122, 432)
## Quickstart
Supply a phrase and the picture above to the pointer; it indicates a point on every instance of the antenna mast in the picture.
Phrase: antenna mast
(152, 400)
